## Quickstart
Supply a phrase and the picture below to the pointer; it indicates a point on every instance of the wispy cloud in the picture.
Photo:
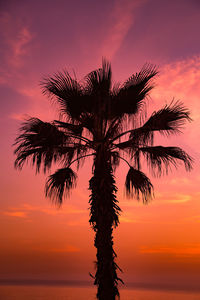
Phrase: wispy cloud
(185, 250)
(19, 45)
(25, 209)
(176, 198)
(181, 181)
(16, 39)
(69, 215)
(18, 117)
(18, 214)
(121, 20)
(67, 249)
(162, 198)
(195, 218)
(67, 209)
(126, 219)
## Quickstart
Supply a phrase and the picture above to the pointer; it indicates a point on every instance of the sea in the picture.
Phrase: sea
(51, 292)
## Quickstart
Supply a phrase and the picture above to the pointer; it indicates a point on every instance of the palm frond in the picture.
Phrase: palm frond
(62, 181)
(138, 183)
(43, 143)
(77, 129)
(159, 157)
(170, 118)
(130, 144)
(130, 97)
(167, 120)
(68, 92)
(98, 82)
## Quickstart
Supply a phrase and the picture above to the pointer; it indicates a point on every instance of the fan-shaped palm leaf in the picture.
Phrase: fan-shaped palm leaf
(132, 94)
(68, 93)
(41, 141)
(167, 120)
(159, 157)
(170, 118)
(98, 82)
(138, 183)
(62, 181)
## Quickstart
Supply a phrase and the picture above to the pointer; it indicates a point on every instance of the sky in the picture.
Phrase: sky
(155, 243)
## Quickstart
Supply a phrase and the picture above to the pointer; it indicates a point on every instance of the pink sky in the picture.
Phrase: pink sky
(158, 242)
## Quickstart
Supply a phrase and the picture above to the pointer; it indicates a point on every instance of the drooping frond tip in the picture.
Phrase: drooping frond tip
(138, 183)
(159, 157)
(62, 181)
(39, 143)
(168, 119)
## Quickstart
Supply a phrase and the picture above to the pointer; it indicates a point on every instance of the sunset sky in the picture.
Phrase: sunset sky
(158, 242)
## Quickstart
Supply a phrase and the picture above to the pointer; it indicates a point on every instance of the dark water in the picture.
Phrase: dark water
(36, 292)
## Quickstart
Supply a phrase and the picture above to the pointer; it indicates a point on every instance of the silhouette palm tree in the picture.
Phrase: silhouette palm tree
(104, 121)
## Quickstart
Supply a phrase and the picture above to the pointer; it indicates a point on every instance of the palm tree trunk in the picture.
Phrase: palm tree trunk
(103, 217)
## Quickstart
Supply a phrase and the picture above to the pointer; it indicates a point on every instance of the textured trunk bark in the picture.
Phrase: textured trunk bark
(104, 215)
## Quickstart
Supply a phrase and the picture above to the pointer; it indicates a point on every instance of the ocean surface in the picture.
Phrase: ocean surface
(39, 292)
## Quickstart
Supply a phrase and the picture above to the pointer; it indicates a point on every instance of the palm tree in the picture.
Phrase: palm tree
(104, 121)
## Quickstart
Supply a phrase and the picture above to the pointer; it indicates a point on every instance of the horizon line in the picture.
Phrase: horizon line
(186, 287)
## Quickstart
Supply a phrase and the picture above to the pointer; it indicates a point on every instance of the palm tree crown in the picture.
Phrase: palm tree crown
(102, 120)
